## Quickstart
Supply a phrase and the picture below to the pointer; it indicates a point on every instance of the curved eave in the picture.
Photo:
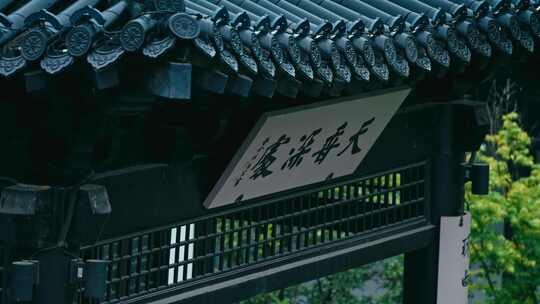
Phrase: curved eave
(205, 36)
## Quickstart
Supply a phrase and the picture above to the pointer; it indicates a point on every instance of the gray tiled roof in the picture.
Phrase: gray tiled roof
(319, 41)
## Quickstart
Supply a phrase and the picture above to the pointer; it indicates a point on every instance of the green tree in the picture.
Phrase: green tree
(345, 287)
(508, 263)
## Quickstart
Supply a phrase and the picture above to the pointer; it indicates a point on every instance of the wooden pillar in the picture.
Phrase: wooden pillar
(445, 198)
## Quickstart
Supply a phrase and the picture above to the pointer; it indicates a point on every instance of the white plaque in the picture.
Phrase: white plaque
(454, 260)
(301, 146)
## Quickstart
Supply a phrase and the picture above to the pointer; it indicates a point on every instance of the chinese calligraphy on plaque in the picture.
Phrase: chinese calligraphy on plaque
(305, 145)
(454, 260)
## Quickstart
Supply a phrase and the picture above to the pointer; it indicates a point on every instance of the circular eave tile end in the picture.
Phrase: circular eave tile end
(79, 41)
(184, 26)
(33, 45)
(132, 36)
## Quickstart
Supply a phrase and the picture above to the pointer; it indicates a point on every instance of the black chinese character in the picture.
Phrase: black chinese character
(247, 166)
(239, 178)
(466, 278)
(261, 147)
(465, 247)
(268, 158)
(296, 156)
(353, 140)
(330, 144)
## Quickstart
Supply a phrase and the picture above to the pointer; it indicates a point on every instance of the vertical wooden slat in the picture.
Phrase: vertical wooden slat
(222, 232)
(143, 280)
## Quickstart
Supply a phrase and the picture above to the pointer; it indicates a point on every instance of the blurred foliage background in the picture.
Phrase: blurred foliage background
(505, 233)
